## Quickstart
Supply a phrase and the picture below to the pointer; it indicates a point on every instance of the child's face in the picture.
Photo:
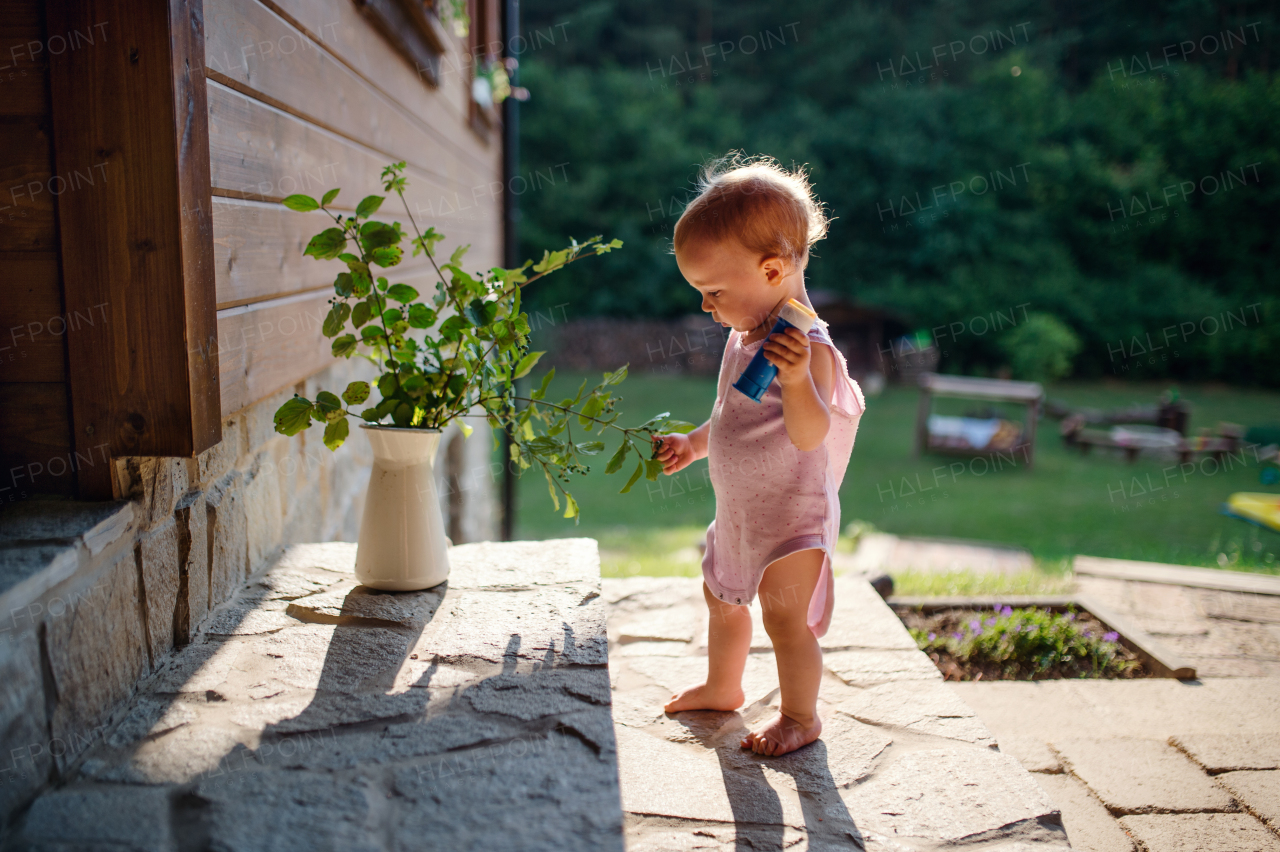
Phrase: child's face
(739, 287)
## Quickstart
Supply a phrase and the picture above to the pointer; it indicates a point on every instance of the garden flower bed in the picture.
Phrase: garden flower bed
(1023, 643)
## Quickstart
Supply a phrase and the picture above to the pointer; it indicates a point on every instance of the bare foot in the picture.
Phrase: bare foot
(702, 697)
(781, 734)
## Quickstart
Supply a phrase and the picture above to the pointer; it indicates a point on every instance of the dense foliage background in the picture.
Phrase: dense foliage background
(960, 186)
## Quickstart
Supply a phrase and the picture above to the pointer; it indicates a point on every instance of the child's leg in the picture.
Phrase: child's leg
(785, 592)
(728, 643)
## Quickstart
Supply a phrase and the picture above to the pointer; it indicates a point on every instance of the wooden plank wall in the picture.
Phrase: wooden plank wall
(304, 96)
(35, 441)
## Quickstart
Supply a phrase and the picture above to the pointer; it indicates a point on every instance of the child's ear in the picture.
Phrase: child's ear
(774, 268)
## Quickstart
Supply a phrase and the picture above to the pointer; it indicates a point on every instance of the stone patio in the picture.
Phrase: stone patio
(316, 714)
(1159, 765)
(903, 764)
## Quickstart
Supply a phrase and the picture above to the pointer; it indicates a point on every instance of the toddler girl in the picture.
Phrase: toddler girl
(776, 465)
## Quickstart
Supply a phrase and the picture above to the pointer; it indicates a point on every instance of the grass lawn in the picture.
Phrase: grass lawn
(1068, 504)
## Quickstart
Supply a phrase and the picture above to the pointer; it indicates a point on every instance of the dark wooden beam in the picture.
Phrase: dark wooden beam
(130, 109)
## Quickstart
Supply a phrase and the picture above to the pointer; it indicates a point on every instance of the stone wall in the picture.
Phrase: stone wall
(94, 596)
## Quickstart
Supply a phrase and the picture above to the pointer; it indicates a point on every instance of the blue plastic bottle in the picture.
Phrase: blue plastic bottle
(759, 374)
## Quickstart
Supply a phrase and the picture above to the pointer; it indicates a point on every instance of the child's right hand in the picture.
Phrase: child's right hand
(674, 451)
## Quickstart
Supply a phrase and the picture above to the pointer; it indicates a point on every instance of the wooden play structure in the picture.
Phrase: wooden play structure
(977, 436)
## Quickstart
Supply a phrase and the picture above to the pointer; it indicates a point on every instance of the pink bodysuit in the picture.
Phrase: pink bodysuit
(773, 499)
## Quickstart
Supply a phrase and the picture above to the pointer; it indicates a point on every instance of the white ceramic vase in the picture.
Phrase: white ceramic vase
(402, 543)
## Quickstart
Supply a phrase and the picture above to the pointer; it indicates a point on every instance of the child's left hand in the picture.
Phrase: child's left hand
(789, 351)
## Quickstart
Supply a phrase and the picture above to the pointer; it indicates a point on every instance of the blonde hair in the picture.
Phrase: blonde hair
(757, 202)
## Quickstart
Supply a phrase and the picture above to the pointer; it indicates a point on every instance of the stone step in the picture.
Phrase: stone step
(315, 713)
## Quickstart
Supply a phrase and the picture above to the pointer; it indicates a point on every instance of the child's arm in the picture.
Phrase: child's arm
(806, 382)
(678, 450)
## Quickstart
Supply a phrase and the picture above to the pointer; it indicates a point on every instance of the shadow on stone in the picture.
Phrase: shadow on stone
(759, 813)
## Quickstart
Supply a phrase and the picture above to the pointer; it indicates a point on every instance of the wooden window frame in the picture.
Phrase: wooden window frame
(413, 27)
(485, 33)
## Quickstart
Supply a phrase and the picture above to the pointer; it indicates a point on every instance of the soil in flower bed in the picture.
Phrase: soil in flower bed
(1021, 644)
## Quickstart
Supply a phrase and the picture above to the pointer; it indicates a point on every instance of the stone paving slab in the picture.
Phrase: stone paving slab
(902, 763)
(926, 707)
(1133, 776)
(101, 818)
(868, 668)
(1150, 708)
(1200, 833)
(1033, 753)
(1090, 826)
(949, 795)
(1227, 752)
(326, 715)
(1258, 790)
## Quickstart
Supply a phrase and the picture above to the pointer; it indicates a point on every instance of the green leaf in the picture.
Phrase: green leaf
(387, 385)
(551, 486)
(328, 406)
(466, 429)
(414, 385)
(345, 346)
(342, 285)
(546, 382)
(294, 416)
(570, 506)
(481, 312)
(427, 243)
(328, 197)
(336, 432)
(590, 448)
(589, 410)
(458, 254)
(336, 320)
(420, 316)
(327, 244)
(634, 477)
(616, 377)
(361, 314)
(551, 260)
(652, 467)
(619, 456)
(376, 234)
(386, 256)
(356, 393)
(301, 203)
(369, 205)
(526, 364)
(371, 334)
(402, 293)
(680, 426)
(451, 329)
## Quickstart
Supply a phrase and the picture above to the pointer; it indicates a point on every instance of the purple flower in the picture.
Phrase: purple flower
(933, 636)
(1110, 636)
(991, 621)
(1008, 610)
(975, 625)
(978, 632)
(1087, 634)
(1071, 616)
(958, 636)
